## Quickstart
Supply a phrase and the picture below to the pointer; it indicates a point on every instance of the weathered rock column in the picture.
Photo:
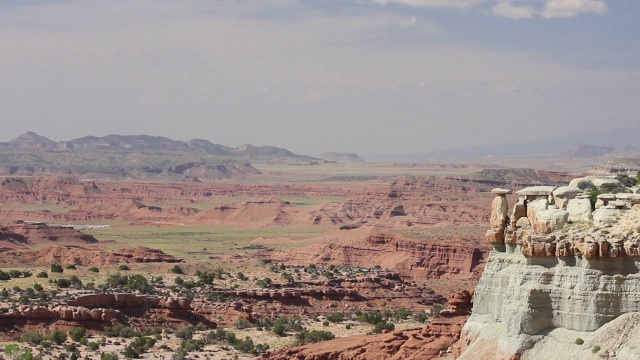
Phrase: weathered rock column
(499, 210)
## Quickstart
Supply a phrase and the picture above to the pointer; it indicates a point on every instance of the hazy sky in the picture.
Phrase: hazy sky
(366, 76)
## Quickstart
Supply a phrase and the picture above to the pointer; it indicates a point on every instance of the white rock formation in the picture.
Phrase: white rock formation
(579, 210)
(518, 300)
(605, 214)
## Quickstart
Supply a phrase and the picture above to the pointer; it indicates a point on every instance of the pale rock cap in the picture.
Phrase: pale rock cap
(607, 196)
(500, 191)
(536, 191)
(567, 191)
(627, 196)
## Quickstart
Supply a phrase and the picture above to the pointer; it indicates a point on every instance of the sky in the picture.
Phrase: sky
(364, 76)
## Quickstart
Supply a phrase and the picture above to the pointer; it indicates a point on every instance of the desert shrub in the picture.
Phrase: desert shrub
(138, 347)
(63, 283)
(421, 317)
(435, 310)
(94, 269)
(579, 341)
(93, 345)
(32, 338)
(192, 345)
(585, 185)
(336, 317)
(595, 349)
(245, 346)
(120, 330)
(177, 270)
(371, 317)
(4, 275)
(108, 356)
(42, 274)
(627, 180)
(77, 333)
(56, 268)
(205, 277)
(288, 277)
(313, 336)
(241, 276)
(37, 287)
(383, 325)
(14, 351)
(282, 325)
(242, 323)
(124, 267)
(75, 280)
(58, 337)
(129, 282)
(264, 283)
(402, 313)
(71, 267)
(15, 273)
(264, 323)
(185, 333)
(348, 327)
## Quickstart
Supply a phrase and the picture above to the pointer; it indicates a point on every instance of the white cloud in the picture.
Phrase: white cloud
(571, 8)
(505, 9)
(462, 4)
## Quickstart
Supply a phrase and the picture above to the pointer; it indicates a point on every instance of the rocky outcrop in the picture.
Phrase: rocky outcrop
(554, 281)
(407, 257)
(23, 234)
(426, 343)
(69, 313)
(105, 309)
(78, 255)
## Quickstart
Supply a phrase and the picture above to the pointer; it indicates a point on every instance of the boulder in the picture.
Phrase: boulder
(579, 210)
(535, 206)
(604, 215)
(519, 211)
(523, 222)
(549, 220)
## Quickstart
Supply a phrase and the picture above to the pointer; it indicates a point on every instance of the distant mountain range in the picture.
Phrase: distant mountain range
(619, 143)
(141, 143)
(138, 157)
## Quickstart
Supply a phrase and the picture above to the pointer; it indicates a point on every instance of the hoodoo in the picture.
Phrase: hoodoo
(562, 280)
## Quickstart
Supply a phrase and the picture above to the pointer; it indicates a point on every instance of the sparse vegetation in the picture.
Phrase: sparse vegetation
(313, 336)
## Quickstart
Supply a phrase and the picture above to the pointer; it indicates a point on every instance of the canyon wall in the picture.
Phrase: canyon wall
(408, 257)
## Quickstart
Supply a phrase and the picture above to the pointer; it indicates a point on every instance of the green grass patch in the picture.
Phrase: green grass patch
(198, 241)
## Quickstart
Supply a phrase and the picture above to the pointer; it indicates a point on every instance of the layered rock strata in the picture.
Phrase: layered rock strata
(558, 278)
(432, 341)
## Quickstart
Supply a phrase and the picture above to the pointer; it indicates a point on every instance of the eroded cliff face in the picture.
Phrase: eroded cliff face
(408, 257)
(556, 291)
(520, 300)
